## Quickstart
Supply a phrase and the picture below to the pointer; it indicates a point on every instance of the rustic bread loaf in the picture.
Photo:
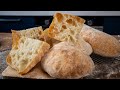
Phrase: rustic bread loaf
(66, 27)
(34, 33)
(102, 43)
(65, 61)
(84, 46)
(26, 54)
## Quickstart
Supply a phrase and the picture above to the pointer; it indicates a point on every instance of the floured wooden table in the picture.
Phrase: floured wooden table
(5, 46)
(105, 68)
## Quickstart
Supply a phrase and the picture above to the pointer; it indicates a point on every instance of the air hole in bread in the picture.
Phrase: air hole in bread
(64, 27)
(40, 33)
(69, 21)
(59, 17)
(74, 24)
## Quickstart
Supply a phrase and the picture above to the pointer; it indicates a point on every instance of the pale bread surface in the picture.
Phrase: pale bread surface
(65, 61)
(34, 33)
(26, 54)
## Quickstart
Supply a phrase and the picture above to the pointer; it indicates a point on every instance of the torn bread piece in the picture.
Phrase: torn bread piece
(34, 33)
(66, 27)
(26, 54)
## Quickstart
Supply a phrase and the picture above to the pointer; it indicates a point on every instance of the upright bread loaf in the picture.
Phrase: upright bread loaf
(66, 27)
(26, 54)
(65, 61)
(102, 43)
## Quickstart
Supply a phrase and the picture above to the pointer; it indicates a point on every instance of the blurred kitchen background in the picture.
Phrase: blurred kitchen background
(108, 22)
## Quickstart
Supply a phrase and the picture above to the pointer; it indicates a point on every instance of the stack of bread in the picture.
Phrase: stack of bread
(63, 50)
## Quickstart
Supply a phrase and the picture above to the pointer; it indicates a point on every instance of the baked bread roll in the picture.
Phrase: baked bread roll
(26, 54)
(65, 61)
(66, 27)
(102, 43)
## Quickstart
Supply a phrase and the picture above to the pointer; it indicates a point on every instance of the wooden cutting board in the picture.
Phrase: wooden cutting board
(35, 73)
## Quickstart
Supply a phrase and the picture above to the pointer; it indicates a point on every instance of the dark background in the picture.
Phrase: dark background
(79, 5)
(111, 24)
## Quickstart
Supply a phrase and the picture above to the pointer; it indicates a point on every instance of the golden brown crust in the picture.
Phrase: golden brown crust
(46, 37)
(8, 60)
(65, 61)
(15, 38)
(102, 43)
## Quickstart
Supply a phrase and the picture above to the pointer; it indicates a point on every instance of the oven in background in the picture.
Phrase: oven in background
(108, 24)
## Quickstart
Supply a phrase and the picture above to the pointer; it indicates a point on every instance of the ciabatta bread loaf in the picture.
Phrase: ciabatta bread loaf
(34, 33)
(66, 27)
(65, 61)
(102, 43)
(26, 54)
